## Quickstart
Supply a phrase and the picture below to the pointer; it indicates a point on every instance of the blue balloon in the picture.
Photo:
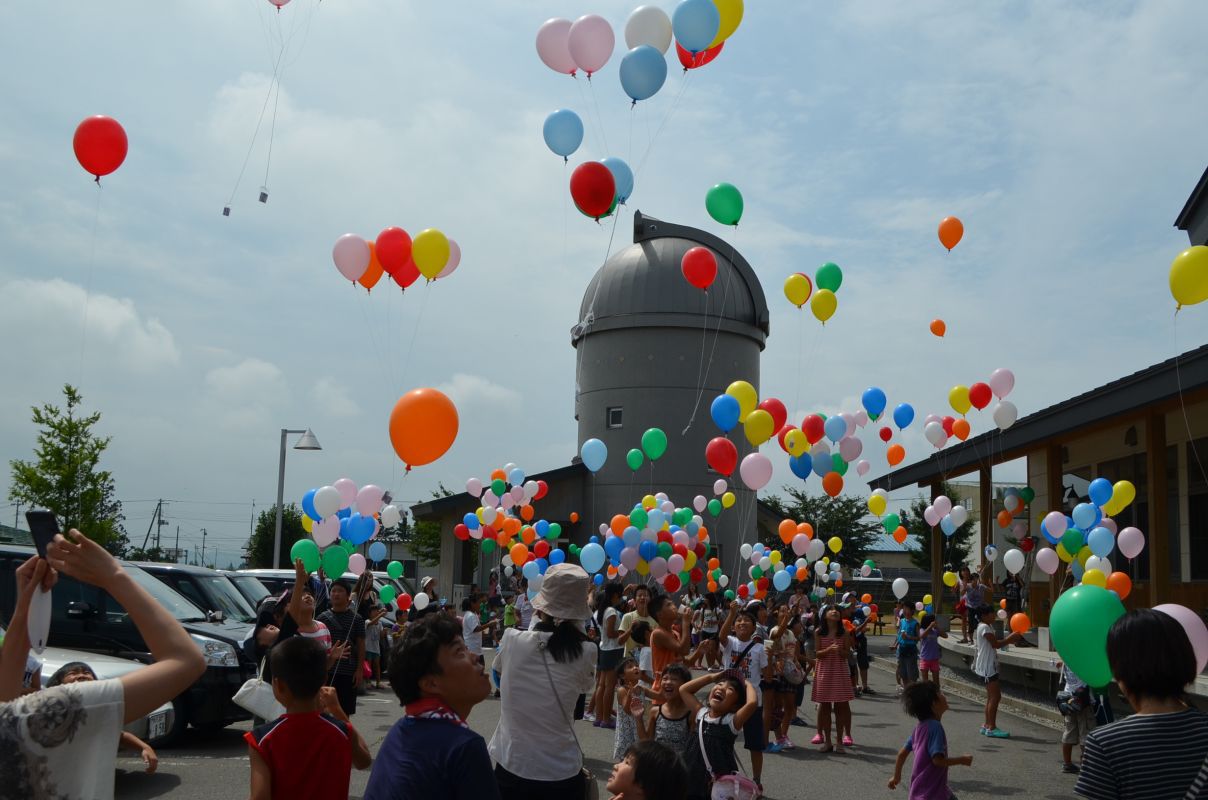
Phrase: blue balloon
(874, 401)
(622, 175)
(695, 24)
(801, 465)
(471, 521)
(594, 539)
(1101, 541)
(516, 476)
(643, 72)
(613, 546)
(903, 415)
(597, 579)
(344, 528)
(377, 551)
(1100, 491)
(541, 527)
(835, 427)
(781, 580)
(308, 506)
(948, 525)
(594, 453)
(359, 529)
(557, 555)
(648, 550)
(592, 557)
(542, 565)
(344, 513)
(1084, 516)
(725, 412)
(563, 132)
(1077, 568)
(632, 537)
(823, 466)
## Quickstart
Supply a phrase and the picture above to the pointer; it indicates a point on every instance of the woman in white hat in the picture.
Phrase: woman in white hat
(542, 674)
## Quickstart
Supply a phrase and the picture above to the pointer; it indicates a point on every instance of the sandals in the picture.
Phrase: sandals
(827, 748)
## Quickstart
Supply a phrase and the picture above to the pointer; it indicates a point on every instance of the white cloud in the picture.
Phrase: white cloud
(242, 396)
(333, 398)
(474, 391)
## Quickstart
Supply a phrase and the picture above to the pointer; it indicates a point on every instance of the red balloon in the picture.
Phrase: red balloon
(814, 427)
(489, 533)
(665, 536)
(699, 267)
(100, 145)
(541, 548)
(948, 422)
(393, 249)
(980, 395)
(780, 434)
(593, 188)
(1026, 544)
(406, 276)
(885, 433)
(690, 61)
(743, 591)
(722, 455)
(542, 490)
(461, 531)
(679, 550)
(404, 601)
(779, 413)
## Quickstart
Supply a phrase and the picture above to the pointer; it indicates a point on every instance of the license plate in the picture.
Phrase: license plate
(157, 725)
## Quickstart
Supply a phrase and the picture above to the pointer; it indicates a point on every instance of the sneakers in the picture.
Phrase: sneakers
(982, 730)
(786, 743)
(817, 739)
(798, 722)
(847, 741)
(589, 717)
(995, 733)
(869, 690)
(1070, 768)
(773, 747)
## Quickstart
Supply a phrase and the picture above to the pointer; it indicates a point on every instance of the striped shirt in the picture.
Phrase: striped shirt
(1145, 757)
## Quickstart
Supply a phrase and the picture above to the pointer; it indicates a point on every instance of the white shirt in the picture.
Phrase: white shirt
(644, 657)
(985, 663)
(606, 642)
(533, 738)
(62, 741)
(470, 632)
(524, 610)
(751, 667)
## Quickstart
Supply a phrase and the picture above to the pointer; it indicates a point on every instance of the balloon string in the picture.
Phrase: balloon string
(414, 334)
(96, 218)
(721, 314)
(272, 132)
(700, 386)
(659, 130)
(248, 157)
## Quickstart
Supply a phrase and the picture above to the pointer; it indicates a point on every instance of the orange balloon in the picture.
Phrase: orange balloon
(788, 529)
(866, 598)
(574, 516)
(702, 534)
(1020, 623)
(832, 483)
(1002, 603)
(807, 529)
(519, 554)
(848, 625)
(527, 534)
(1119, 583)
(712, 586)
(526, 513)
(619, 523)
(895, 454)
(714, 564)
(374, 273)
(899, 535)
(423, 426)
(499, 475)
(938, 327)
(960, 429)
(1004, 517)
(839, 584)
(511, 526)
(612, 571)
(803, 573)
(951, 231)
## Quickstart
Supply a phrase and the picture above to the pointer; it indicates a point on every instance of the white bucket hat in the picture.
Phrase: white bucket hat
(563, 593)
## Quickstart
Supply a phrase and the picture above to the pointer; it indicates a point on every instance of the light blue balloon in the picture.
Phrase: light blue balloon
(1077, 568)
(1101, 542)
(592, 557)
(594, 454)
(801, 465)
(695, 24)
(1084, 516)
(377, 551)
(823, 466)
(781, 580)
(516, 477)
(632, 537)
(948, 525)
(725, 412)
(563, 132)
(1100, 491)
(531, 570)
(656, 519)
(557, 555)
(622, 175)
(835, 427)
(903, 415)
(643, 72)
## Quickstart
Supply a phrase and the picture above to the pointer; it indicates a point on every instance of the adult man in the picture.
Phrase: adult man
(431, 753)
(641, 599)
(347, 628)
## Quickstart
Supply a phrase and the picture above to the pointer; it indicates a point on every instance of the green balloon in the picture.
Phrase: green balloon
(870, 563)
(639, 518)
(654, 442)
(387, 594)
(665, 549)
(1028, 494)
(829, 276)
(1078, 624)
(395, 569)
(724, 203)
(498, 487)
(838, 464)
(335, 561)
(634, 459)
(756, 573)
(714, 506)
(348, 546)
(574, 549)
(729, 594)
(1072, 540)
(308, 551)
(891, 522)
(555, 531)
(488, 545)
(685, 577)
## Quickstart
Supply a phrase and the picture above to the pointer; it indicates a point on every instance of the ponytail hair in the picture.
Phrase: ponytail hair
(566, 643)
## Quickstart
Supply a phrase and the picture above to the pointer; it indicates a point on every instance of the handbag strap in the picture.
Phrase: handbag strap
(700, 734)
(541, 647)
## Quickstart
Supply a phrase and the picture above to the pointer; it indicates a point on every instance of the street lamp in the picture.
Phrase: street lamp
(306, 442)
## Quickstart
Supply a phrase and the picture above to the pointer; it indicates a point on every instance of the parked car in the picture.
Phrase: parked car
(401, 585)
(85, 617)
(278, 580)
(210, 590)
(249, 586)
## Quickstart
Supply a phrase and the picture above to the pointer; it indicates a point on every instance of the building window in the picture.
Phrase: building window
(614, 416)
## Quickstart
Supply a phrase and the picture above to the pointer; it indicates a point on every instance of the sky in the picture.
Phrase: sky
(1066, 136)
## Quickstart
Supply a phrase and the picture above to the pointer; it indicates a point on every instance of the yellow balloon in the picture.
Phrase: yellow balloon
(823, 304)
(949, 578)
(1188, 275)
(478, 513)
(430, 252)
(1123, 493)
(1063, 554)
(773, 556)
(796, 443)
(690, 560)
(307, 523)
(648, 502)
(1083, 555)
(830, 592)
(758, 427)
(797, 289)
(731, 17)
(728, 499)
(746, 396)
(1094, 577)
(835, 544)
(927, 599)
(958, 398)
(876, 504)
(643, 567)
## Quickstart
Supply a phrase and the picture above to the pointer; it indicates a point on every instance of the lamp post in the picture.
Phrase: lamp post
(306, 442)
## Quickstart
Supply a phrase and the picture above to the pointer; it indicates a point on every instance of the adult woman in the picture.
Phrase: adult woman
(1160, 751)
(535, 749)
(608, 617)
(832, 681)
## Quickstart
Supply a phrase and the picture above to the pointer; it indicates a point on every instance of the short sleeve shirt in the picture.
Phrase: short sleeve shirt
(470, 632)
(908, 647)
(347, 626)
(627, 623)
(750, 666)
(927, 781)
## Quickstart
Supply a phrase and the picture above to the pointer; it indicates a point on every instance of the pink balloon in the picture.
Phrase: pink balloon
(454, 260)
(756, 471)
(1056, 523)
(356, 563)
(369, 500)
(629, 557)
(1002, 381)
(1110, 524)
(699, 502)
(658, 567)
(862, 467)
(861, 418)
(1130, 541)
(552, 46)
(326, 532)
(850, 419)
(720, 486)
(474, 487)
(1047, 560)
(351, 255)
(850, 449)
(801, 543)
(942, 505)
(932, 516)
(1196, 630)
(932, 418)
(347, 490)
(591, 42)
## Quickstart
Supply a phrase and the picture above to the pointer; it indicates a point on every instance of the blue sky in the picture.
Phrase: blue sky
(1066, 136)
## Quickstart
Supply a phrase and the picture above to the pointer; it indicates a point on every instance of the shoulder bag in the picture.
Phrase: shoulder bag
(256, 696)
(591, 789)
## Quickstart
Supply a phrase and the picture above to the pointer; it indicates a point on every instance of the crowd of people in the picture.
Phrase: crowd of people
(618, 656)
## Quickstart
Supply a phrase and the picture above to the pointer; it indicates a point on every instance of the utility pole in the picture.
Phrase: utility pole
(203, 546)
(176, 549)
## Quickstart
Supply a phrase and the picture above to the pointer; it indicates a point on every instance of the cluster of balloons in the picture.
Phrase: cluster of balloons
(100, 145)
(799, 290)
(1014, 500)
(1086, 538)
(594, 453)
(597, 187)
(339, 518)
(760, 421)
(1188, 276)
(423, 426)
(431, 254)
(878, 503)
(963, 398)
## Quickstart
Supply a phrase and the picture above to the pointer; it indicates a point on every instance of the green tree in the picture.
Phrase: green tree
(845, 517)
(957, 547)
(66, 476)
(260, 545)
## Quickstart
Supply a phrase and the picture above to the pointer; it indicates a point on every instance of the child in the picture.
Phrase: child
(1078, 712)
(639, 634)
(929, 776)
(731, 704)
(777, 690)
(832, 683)
(648, 771)
(929, 648)
(908, 648)
(629, 708)
(670, 722)
(304, 752)
(509, 614)
(373, 643)
(985, 666)
(743, 654)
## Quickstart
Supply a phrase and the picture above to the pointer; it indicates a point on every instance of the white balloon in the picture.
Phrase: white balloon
(508, 571)
(420, 601)
(960, 515)
(745, 550)
(327, 501)
(1002, 613)
(723, 581)
(816, 549)
(900, 587)
(648, 25)
(720, 486)
(699, 502)
(1048, 560)
(765, 563)
(991, 552)
(1012, 502)
(1013, 560)
(1005, 414)
(488, 515)
(391, 516)
(934, 433)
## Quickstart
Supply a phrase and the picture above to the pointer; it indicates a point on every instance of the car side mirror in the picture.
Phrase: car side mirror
(78, 609)
(214, 616)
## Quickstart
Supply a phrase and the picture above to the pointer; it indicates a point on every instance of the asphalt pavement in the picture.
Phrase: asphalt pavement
(215, 765)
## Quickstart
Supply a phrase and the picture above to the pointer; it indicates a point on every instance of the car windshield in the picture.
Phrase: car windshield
(250, 587)
(176, 604)
(230, 602)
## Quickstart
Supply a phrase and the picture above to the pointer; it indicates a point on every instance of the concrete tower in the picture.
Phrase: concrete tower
(640, 338)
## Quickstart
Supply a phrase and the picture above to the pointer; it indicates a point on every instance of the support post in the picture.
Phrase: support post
(937, 557)
(1159, 529)
(985, 501)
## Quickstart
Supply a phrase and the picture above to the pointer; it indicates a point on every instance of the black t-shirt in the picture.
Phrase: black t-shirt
(348, 626)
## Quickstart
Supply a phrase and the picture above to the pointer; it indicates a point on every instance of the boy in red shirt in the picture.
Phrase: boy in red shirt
(310, 749)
